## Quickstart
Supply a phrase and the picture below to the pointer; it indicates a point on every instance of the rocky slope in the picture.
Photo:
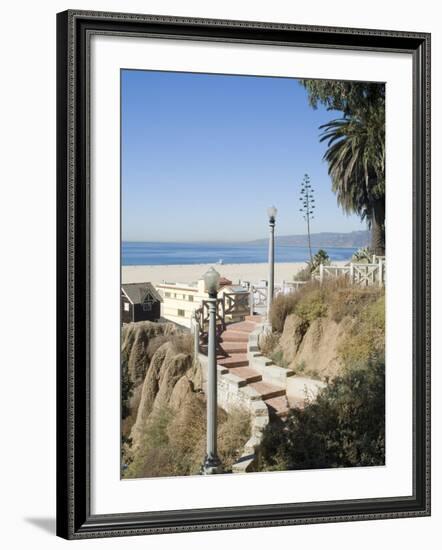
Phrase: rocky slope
(325, 328)
(314, 351)
(165, 431)
(135, 339)
(167, 384)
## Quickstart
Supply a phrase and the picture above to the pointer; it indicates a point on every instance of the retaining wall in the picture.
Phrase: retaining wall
(234, 392)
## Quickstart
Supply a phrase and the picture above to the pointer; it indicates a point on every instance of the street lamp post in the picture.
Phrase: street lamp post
(212, 464)
(271, 211)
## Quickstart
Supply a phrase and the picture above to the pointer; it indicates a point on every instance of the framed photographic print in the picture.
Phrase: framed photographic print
(243, 274)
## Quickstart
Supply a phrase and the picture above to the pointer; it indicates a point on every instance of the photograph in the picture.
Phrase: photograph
(253, 274)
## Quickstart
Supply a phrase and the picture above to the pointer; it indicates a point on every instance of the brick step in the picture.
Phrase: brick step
(254, 318)
(234, 336)
(233, 347)
(246, 373)
(236, 360)
(242, 326)
(278, 406)
(266, 390)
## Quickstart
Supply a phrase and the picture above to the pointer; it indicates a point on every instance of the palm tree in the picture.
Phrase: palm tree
(356, 164)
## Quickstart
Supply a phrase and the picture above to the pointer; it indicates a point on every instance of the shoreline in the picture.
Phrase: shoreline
(187, 273)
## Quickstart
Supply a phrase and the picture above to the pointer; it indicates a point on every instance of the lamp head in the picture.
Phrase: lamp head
(211, 281)
(271, 212)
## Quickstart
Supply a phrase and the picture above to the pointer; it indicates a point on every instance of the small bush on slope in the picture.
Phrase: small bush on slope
(344, 427)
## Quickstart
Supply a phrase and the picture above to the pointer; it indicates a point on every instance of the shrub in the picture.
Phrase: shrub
(367, 336)
(346, 300)
(363, 255)
(282, 306)
(300, 367)
(278, 358)
(311, 305)
(233, 434)
(321, 257)
(344, 427)
(174, 441)
(268, 343)
(304, 274)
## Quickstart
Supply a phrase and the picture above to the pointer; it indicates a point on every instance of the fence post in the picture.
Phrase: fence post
(380, 268)
(352, 273)
(321, 273)
(251, 300)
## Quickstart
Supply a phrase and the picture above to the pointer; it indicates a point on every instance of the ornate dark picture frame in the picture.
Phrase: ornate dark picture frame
(74, 518)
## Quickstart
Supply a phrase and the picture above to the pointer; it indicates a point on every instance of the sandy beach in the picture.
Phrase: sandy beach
(189, 273)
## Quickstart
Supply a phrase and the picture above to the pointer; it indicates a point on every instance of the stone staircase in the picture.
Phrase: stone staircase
(232, 356)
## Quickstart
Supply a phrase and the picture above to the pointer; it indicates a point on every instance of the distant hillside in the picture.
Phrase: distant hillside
(354, 239)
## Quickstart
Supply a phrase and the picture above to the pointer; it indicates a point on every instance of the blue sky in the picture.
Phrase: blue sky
(203, 156)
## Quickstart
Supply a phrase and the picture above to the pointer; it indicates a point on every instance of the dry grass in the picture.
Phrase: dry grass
(181, 342)
(366, 339)
(154, 344)
(335, 297)
(345, 300)
(307, 302)
(268, 343)
(174, 441)
(355, 314)
(233, 435)
(282, 306)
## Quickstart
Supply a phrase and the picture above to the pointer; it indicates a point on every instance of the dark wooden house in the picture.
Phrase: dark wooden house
(140, 302)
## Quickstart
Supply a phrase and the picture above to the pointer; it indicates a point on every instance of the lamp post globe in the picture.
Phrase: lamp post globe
(271, 212)
(211, 281)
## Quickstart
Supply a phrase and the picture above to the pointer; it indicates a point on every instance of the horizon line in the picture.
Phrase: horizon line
(214, 241)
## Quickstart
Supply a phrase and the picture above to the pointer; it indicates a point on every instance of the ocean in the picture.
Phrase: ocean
(154, 253)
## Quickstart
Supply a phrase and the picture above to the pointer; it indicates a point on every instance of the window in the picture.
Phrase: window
(167, 294)
(126, 306)
(181, 313)
(147, 303)
(190, 298)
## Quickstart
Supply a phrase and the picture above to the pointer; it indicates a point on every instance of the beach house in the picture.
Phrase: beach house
(180, 300)
(140, 302)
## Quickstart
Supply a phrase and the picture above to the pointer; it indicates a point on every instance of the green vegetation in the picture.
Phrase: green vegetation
(282, 306)
(363, 255)
(356, 148)
(335, 298)
(308, 303)
(268, 343)
(366, 338)
(321, 257)
(174, 441)
(345, 426)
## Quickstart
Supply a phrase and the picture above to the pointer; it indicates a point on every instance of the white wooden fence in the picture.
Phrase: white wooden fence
(360, 274)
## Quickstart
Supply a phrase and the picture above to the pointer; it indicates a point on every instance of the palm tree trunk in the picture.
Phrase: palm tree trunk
(378, 228)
